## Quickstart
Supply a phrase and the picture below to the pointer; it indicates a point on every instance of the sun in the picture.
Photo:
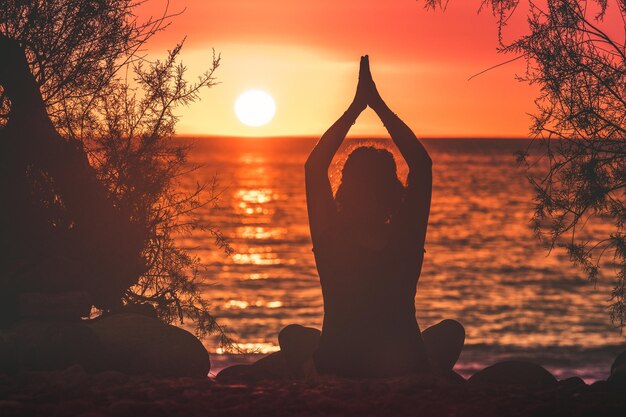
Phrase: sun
(255, 108)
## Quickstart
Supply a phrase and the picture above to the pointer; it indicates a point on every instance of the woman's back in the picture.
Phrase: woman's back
(368, 281)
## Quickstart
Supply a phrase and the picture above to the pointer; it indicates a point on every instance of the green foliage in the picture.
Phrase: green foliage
(142, 168)
(579, 129)
(75, 48)
(100, 89)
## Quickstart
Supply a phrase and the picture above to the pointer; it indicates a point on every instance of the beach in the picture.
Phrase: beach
(590, 365)
(73, 392)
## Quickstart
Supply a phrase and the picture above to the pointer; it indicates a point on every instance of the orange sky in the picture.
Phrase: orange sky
(306, 54)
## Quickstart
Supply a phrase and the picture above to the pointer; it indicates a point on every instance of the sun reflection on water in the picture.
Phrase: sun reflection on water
(240, 304)
(256, 258)
(483, 265)
(255, 276)
(263, 348)
(260, 232)
(254, 201)
(255, 196)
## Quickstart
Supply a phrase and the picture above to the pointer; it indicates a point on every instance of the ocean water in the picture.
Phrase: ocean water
(483, 266)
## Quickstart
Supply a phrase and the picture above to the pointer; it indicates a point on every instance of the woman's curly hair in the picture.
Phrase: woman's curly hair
(369, 179)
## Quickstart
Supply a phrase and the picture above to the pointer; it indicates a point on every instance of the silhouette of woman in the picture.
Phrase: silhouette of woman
(368, 242)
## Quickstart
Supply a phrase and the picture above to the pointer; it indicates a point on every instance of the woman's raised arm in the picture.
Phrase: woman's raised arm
(319, 196)
(416, 208)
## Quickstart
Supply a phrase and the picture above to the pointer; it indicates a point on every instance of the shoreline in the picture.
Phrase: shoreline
(590, 365)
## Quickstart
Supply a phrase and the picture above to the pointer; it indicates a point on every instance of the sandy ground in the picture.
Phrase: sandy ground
(73, 392)
(596, 365)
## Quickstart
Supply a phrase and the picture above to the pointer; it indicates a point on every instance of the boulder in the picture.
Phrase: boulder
(239, 374)
(141, 309)
(600, 386)
(8, 359)
(276, 366)
(514, 373)
(298, 343)
(47, 345)
(449, 378)
(138, 344)
(70, 305)
(618, 371)
(271, 367)
(572, 386)
(573, 382)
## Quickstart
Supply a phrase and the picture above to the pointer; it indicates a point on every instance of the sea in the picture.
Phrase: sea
(483, 265)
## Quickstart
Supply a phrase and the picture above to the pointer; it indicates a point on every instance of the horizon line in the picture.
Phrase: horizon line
(371, 137)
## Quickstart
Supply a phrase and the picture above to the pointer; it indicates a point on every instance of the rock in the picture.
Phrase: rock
(59, 306)
(599, 386)
(295, 358)
(276, 366)
(298, 343)
(271, 367)
(514, 373)
(574, 381)
(138, 344)
(239, 374)
(47, 345)
(618, 371)
(572, 385)
(449, 378)
(141, 309)
(619, 362)
(8, 352)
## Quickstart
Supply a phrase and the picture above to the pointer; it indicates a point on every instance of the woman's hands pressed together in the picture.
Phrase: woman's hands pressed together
(361, 97)
(366, 91)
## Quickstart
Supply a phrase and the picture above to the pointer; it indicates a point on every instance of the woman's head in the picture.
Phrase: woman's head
(370, 190)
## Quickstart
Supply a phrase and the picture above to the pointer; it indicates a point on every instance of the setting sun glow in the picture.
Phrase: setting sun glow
(255, 108)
